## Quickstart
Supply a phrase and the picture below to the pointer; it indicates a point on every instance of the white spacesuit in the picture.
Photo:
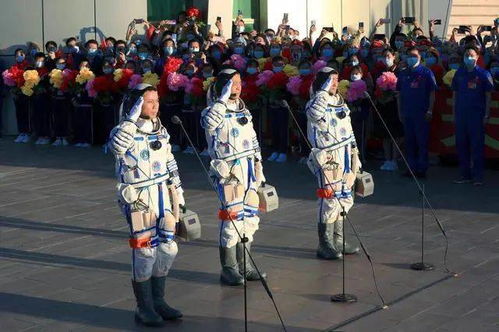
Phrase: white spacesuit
(149, 195)
(334, 161)
(237, 172)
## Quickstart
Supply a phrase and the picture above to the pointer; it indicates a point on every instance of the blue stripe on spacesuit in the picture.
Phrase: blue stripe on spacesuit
(161, 201)
(347, 160)
(144, 230)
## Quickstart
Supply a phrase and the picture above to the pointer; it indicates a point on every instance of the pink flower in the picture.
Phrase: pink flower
(176, 81)
(264, 77)
(294, 85)
(8, 78)
(356, 90)
(90, 89)
(318, 65)
(387, 81)
(238, 62)
(134, 81)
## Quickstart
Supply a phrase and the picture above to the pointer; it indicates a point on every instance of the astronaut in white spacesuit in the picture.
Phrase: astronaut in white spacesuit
(333, 160)
(236, 168)
(149, 195)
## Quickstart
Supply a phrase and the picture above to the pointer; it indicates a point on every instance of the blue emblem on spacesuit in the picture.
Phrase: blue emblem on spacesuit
(144, 154)
(234, 132)
(156, 166)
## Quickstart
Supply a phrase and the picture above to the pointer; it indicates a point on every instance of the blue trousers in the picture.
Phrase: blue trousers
(416, 131)
(470, 143)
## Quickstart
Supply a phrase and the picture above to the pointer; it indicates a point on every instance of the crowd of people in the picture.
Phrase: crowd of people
(72, 94)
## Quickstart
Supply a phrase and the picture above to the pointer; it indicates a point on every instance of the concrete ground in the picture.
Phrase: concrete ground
(65, 262)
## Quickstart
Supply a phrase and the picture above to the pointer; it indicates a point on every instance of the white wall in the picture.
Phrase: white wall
(21, 21)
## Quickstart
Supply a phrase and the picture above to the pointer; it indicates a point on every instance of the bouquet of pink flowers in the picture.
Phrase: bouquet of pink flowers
(386, 85)
(177, 81)
(356, 91)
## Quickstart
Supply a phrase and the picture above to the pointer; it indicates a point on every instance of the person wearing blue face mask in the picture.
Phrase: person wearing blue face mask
(432, 61)
(21, 102)
(60, 109)
(259, 52)
(416, 85)
(167, 50)
(472, 87)
(494, 71)
(327, 51)
(239, 49)
(279, 118)
(275, 50)
(92, 55)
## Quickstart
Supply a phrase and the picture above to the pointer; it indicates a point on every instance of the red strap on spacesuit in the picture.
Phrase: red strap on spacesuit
(324, 193)
(226, 215)
(143, 242)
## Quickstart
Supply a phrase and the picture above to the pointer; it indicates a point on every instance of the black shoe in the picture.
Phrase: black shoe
(145, 313)
(251, 273)
(327, 249)
(160, 305)
(230, 271)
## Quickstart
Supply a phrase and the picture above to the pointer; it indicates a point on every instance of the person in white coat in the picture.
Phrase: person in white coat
(149, 195)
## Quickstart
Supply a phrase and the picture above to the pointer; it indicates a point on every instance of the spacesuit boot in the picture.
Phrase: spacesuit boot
(251, 274)
(326, 249)
(160, 305)
(230, 270)
(338, 240)
(145, 314)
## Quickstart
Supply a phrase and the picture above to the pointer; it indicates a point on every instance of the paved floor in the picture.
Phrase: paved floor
(64, 260)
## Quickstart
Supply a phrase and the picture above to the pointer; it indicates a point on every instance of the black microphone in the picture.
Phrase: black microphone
(176, 120)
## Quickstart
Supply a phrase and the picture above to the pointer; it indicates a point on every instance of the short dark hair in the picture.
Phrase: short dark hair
(50, 43)
(412, 48)
(321, 78)
(39, 55)
(472, 48)
(277, 58)
(91, 41)
(70, 39)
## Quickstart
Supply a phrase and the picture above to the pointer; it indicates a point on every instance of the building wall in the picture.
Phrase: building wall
(23, 20)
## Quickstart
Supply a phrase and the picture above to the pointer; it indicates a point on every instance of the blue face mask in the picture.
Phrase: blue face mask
(238, 50)
(92, 51)
(305, 72)
(60, 66)
(454, 66)
(275, 52)
(412, 61)
(20, 58)
(327, 52)
(399, 44)
(251, 70)
(469, 61)
(277, 69)
(258, 54)
(143, 55)
(216, 54)
(430, 61)
(168, 50)
(132, 50)
(107, 70)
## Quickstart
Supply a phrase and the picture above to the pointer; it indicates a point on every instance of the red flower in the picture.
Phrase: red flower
(125, 79)
(17, 75)
(193, 12)
(105, 83)
(69, 77)
(267, 65)
(305, 86)
(172, 64)
(278, 81)
(250, 91)
(42, 71)
(163, 86)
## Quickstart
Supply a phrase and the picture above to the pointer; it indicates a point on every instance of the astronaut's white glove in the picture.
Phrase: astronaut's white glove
(317, 107)
(122, 137)
(136, 110)
(214, 116)
(226, 92)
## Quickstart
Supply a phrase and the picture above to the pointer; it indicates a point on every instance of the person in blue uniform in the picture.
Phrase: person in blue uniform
(472, 87)
(416, 85)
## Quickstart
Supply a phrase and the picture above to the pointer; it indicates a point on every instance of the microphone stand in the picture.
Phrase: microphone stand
(421, 265)
(176, 120)
(343, 297)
